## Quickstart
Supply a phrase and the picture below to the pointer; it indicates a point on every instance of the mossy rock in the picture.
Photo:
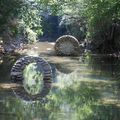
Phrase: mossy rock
(67, 45)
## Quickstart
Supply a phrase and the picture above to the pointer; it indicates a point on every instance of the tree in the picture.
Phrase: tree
(103, 24)
(16, 16)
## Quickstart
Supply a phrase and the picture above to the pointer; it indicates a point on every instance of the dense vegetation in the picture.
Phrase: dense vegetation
(19, 17)
(96, 20)
(103, 17)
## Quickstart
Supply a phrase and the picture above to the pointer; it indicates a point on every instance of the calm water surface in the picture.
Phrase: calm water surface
(83, 88)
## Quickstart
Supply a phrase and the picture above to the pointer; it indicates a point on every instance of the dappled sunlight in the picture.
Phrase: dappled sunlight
(32, 53)
(59, 60)
(84, 97)
(1, 61)
(79, 91)
(36, 49)
(8, 86)
(64, 80)
(76, 102)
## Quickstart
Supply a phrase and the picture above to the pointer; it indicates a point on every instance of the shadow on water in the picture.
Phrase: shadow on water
(6, 63)
(83, 88)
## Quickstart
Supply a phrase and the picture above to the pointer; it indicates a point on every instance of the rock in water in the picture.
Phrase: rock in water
(67, 45)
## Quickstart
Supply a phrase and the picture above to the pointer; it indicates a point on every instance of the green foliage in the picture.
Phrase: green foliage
(30, 35)
(18, 15)
(100, 17)
(99, 9)
(29, 14)
(103, 18)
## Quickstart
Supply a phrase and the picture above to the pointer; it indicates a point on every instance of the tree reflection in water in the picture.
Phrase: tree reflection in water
(91, 95)
(83, 100)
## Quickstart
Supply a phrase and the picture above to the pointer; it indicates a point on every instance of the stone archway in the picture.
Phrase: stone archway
(67, 45)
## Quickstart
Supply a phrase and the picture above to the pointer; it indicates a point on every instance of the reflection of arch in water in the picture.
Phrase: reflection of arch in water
(66, 74)
(65, 80)
(18, 77)
(64, 68)
(67, 67)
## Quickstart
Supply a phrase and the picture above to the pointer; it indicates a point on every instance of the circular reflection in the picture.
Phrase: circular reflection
(34, 77)
(67, 67)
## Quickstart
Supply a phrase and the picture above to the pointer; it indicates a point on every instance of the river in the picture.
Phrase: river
(83, 88)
